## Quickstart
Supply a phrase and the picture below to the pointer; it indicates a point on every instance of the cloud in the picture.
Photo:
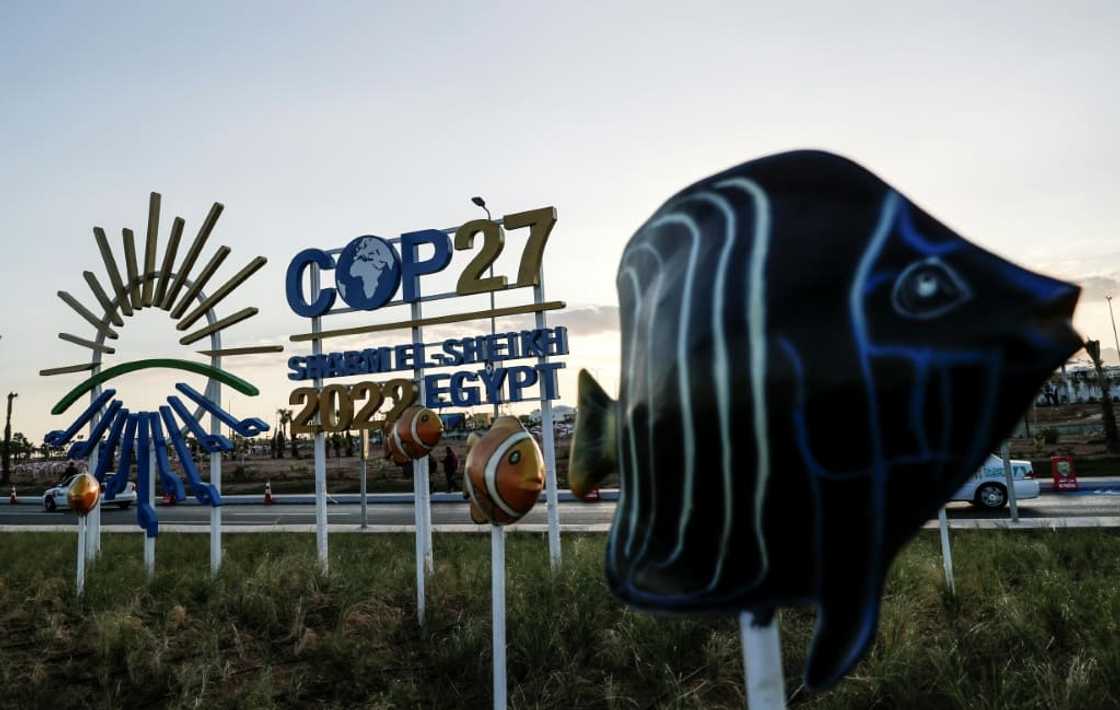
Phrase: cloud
(587, 320)
(1095, 288)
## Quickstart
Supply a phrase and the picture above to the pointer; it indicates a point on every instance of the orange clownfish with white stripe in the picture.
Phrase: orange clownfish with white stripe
(505, 473)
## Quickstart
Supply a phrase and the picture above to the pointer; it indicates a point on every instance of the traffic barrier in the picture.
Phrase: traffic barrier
(268, 492)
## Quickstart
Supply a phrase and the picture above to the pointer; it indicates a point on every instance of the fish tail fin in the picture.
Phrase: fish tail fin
(477, 516)
(844, 630)
(594, 453)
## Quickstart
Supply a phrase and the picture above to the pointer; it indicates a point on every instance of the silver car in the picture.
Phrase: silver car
(55, 498)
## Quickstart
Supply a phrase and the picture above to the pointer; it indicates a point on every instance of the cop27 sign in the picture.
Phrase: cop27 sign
(370, 271)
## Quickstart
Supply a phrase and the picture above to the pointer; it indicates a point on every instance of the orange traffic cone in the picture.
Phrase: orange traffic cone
(268, 492)
(12, 498)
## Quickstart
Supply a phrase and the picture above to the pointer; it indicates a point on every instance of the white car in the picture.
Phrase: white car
(988, 487)
(55, 498)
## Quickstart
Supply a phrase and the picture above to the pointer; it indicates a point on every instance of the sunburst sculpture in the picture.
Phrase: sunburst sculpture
(140, 436)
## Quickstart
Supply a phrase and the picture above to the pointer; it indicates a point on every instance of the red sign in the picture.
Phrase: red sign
(1065, 477)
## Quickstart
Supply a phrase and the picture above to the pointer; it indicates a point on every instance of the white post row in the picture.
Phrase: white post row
(320, 440)
(214, 394)
(762, 662)
(1009, 477)
(548, 435)
(93, 534)
(83, 535)
(420, 472)
(150, 542)
(946, 551)
(498, 612)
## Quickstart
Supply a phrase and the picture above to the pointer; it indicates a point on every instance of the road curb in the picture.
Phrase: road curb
(467, 528)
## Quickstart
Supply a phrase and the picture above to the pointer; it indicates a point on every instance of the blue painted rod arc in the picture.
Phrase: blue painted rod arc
(145, 513)
(105, 453)
(206, 493)
(124, 462)
(171, 484)
(82, 449)
(62, 438)
(209, 442)
(245, 427)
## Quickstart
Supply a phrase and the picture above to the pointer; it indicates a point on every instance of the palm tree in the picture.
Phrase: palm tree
(284, 416)
(1111, 437)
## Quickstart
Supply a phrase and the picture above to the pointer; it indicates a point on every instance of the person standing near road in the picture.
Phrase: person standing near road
(450, 466)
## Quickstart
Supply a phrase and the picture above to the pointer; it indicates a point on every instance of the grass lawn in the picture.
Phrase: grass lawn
(1036, 625)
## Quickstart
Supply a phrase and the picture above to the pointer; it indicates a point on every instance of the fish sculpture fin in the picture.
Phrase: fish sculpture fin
(476, 515)
(850, 585)
(594, 453)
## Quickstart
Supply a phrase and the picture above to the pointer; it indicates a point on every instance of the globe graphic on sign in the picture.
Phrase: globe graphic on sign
(368, 273)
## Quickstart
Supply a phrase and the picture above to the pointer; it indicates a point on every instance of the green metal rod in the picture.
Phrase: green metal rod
(124, 368)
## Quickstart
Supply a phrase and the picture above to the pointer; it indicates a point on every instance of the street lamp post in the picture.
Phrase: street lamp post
(478, 201)
(1111, 317)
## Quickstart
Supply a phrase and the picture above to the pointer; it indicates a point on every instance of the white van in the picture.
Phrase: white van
(987, 488)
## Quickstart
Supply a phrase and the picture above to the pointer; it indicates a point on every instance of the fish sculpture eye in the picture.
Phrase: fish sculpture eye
(515, 457)
(928, 289)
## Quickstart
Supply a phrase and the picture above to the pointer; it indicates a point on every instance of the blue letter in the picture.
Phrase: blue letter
(547, 372)
(411, 269)
(520, 378)
(298, 369)
(432, 391)
(294, 283)
(464, 396)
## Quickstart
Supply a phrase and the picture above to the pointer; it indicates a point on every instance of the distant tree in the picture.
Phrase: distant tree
(1111, 436)
(284, 417)
(6, 470)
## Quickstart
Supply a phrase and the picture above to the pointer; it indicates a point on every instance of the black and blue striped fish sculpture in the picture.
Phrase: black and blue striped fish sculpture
(811, 366)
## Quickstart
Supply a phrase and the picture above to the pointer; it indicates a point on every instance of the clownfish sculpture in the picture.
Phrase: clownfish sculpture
(811, 366)
(504, 473)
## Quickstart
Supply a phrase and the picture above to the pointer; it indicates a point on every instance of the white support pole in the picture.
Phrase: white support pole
(498, 611)
(80, 580)
(320, 441)
(1012, 500)
(93, 519)
(946, 551)
(548, 439)
(422, 499)
(93, 535)
(150, 542)
(214, 394)
(365, 511)
(762, 660)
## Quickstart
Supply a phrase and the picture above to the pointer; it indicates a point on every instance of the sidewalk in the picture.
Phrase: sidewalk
(564, 496)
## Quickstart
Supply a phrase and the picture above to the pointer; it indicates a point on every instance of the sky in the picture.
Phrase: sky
(314, 124)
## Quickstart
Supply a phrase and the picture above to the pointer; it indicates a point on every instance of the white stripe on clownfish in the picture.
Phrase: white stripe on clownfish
(756, 335)
(490, 474)
(416, 434)
(651, 458)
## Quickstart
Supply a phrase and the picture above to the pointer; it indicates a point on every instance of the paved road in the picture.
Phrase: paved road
(1049, 505)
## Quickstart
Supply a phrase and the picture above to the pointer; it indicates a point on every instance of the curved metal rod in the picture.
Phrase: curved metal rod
(62, 438)
(124, 461)
(209, 442)
(105, 454)
(172, 486)
(206, 493)
(213, 373)
(82, 449)
(145, 513)
(245, 427)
